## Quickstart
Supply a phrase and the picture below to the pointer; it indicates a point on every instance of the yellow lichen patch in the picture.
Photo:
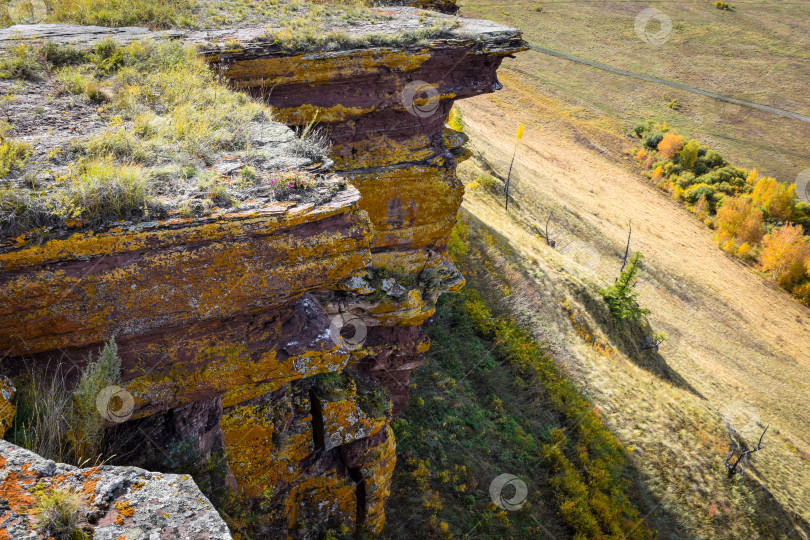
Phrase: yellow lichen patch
(170, 233)
(135, 292)
(321, 68)
(344, 421)
(377, 467)
(261, 452)
(230, 366)
(306, 113)
(380, 151)
(123, 508)
(410, 310)
(403, 262)
(410, 206)
(328, 498)
(7, 409)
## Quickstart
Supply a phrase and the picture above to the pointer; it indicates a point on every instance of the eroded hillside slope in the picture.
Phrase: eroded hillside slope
(737, 344)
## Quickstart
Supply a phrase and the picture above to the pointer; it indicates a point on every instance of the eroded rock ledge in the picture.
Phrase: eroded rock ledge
(232, 330)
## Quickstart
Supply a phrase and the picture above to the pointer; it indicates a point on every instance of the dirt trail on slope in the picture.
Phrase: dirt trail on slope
(735, 337)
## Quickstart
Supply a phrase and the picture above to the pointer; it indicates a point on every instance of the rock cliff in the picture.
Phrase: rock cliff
(284, 334)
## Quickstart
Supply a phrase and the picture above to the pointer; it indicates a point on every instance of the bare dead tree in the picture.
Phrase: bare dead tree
(518, 136)
(627, 248)
(509, 178)
(653, 342)
(741, 451)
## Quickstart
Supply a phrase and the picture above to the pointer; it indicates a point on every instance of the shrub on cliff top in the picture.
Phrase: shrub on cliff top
(59, 514)
(32, 60)
(59, 424)
(13, 153)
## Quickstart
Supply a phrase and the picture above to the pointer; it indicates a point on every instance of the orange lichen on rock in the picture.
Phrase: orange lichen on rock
(7, 408)
(243, 265)
(267, 439)
(14, 490)
(328, 499)
(124, 508)
(165, 506)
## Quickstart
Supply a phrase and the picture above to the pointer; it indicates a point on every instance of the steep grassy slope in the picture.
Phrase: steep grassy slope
(756, 52)
(492, 401)
(737, 345)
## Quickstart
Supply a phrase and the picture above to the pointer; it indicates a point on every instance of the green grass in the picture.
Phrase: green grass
(59, 514)
(37, 61)
(489, 401)
(461, 429)
(60, 423)
(152, 13)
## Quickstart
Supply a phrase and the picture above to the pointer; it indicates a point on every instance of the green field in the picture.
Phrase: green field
(758, 51)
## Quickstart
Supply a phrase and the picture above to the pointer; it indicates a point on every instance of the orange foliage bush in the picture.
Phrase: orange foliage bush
(701, 207)
(775, 198)
(670, 146)
(785, 255)
(740, 220)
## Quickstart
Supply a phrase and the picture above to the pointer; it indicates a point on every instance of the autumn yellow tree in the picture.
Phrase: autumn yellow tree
(738, 219)
(670, 145)
(689, 154)
(785, 255)
(454, 120)
(775, 198)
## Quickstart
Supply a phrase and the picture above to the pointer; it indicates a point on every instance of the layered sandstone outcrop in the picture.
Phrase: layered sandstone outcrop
(284, 335)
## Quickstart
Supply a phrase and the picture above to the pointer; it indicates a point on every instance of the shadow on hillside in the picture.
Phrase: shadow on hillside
(633, 339)
(775, 516)
(772, 518)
